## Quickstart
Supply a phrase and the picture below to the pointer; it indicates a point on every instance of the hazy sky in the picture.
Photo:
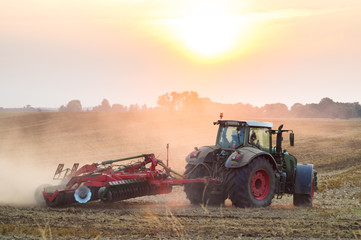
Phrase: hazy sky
(131, 51)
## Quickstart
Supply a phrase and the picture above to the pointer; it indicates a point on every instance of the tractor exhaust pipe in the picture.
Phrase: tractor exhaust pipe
(279, 140)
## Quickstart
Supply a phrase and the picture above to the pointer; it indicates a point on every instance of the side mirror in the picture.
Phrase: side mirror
(292, 139)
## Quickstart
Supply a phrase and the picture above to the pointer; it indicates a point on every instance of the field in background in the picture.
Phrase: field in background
(32, 144)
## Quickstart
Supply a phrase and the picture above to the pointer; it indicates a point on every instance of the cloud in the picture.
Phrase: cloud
(292, 13)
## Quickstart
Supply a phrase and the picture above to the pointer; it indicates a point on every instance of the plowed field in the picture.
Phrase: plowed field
(31, 146)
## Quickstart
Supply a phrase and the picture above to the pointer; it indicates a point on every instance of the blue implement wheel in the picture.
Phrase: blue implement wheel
(83, 194)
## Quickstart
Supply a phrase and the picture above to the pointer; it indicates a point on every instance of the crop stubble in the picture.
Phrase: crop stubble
(40, 141)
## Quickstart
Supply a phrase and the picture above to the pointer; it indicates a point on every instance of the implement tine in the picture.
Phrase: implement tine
(58, 171)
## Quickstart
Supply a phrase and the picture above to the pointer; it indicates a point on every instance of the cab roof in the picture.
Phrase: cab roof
(250, 123)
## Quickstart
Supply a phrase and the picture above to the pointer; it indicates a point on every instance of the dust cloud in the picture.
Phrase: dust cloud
(32, 145)
(18, 182)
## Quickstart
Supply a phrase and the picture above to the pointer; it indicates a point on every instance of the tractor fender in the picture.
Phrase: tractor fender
(304, 177)
(201, 155)
(242, 157)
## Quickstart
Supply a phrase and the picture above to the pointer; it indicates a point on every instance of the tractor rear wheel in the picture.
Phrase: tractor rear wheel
(252, 185)
(200, 193)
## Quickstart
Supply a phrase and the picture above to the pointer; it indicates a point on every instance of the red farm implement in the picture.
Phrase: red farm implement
(112, 182)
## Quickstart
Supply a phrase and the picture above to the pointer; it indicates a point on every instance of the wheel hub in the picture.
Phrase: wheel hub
(260, 184)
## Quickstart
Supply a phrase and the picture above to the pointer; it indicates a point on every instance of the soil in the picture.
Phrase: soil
(171, 216)
(336, 213)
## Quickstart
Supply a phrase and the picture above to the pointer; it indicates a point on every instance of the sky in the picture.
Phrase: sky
(132, 51)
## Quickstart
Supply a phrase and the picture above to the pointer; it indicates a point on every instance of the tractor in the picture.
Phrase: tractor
(250, 171)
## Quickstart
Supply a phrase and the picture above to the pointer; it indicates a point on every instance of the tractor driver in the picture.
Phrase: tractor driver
(235, 139)
(254, 140)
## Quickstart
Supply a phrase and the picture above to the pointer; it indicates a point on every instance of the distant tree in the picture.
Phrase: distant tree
(103, 107)
(275, 110)
(119, 108)
(242, 110)
(185, 101)
(134, 108)
(358, 109)
(325, 102)
(106, 105)
(72, 106)
(62, 108)
(144, 108)
(191, 101)
(165, 102)
(297, 110)
(327, 108)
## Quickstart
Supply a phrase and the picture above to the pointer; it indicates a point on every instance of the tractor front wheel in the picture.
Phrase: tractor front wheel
(252, 185)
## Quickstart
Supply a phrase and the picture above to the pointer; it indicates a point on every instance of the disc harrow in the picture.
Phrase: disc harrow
(110, 182)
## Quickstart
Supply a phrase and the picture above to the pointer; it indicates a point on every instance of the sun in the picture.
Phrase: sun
(206, 31)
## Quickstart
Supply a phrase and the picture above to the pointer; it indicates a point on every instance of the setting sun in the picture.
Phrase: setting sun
(205, 31)
(209, 31)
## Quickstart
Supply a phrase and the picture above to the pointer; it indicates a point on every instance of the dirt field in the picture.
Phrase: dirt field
(31, 146)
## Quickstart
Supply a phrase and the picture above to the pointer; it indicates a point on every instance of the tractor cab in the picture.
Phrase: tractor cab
(237, 134)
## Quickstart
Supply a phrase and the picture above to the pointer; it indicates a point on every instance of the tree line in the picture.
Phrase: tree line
(76, 106)
(190, 102)
(326, 108)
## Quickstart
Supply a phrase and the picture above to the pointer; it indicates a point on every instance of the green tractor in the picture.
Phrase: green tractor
(249, 170)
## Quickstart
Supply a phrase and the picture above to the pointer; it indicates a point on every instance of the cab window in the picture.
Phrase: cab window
(231, 137)
(259, 137)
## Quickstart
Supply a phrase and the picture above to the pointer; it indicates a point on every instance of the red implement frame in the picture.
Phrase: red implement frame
(103, 174)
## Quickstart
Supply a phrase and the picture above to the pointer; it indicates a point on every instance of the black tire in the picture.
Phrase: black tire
(252, 185)
(201, 193)
(94, 191)
(305, 200)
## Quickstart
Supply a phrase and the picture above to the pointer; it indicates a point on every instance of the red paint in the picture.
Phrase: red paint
(260, 184)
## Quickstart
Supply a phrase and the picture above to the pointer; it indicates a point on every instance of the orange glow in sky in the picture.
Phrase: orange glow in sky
(132, 51)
